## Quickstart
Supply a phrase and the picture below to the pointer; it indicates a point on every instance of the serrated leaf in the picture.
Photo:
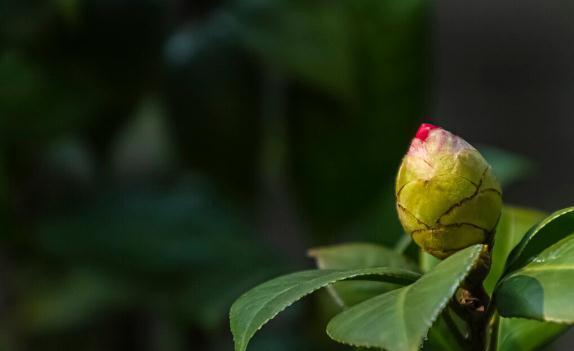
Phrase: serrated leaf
(358, 255)
(513, 225)
(546, 233)
(261, 304)
(541, 290)
(400, 320)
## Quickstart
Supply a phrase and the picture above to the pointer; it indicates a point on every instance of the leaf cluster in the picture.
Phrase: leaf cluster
(388, 303)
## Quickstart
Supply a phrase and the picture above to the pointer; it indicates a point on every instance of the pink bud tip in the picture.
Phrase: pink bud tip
(423, 132)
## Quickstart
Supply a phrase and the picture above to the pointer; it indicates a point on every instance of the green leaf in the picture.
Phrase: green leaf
(546, 233)
(513, 225)
(525, 334)
(401, 319)
(516, 333)
(441, 337)
(541, 290)
(427, 261)
(364, 255)
(508, 167)
(259, 305)
(358, 255)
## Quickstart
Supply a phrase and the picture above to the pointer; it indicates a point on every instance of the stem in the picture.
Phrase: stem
(473, 304)
(491, 331)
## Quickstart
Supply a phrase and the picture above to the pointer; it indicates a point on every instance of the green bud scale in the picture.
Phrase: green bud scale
(446, 194)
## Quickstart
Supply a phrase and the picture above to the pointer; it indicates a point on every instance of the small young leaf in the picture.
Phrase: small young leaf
(400, 320)
(259, 305)
(513, 225)
(555, 227)
(542, 289)
(358, 255)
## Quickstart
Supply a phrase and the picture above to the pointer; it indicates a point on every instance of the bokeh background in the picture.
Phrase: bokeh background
(160, 157)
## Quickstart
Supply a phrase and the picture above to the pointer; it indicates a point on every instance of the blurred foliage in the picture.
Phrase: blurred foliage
(329, 73)
(142, 140)
(509, 167)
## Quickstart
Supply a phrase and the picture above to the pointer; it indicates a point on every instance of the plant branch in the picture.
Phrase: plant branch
(473, 304)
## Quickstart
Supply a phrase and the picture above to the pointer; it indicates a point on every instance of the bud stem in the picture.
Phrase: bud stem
(473, 304)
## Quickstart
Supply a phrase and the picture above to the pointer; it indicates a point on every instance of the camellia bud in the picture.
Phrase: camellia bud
(447, 197)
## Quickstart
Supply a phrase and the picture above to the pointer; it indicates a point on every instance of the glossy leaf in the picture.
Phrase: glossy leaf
(259, 305)
(516, 333)
(525, 334)
(513, 225)
(358, 255)
(546, 233)
(542, 289)
(400, 319)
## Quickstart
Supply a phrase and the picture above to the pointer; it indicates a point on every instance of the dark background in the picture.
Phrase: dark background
(503, 76)
(159, 158)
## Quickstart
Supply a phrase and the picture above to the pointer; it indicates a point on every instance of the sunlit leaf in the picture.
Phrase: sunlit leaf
(549, 231)
(513, 225)
(358, 255)
(400, 320)
(525, 334)
(259, 305)
(542, 289)
(516, 333)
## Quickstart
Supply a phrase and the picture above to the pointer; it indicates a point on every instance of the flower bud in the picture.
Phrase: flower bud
(447, 196)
